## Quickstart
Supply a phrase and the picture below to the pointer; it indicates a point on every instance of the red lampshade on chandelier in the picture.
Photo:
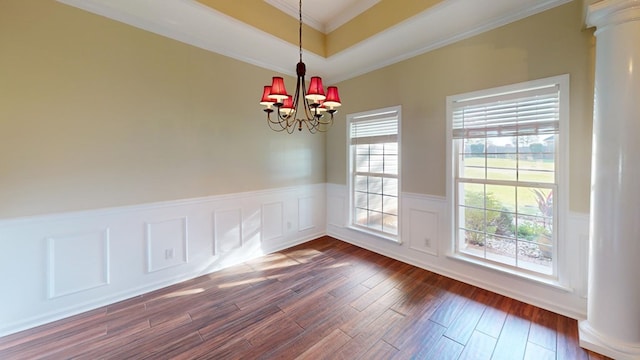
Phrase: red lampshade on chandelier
(314, 101)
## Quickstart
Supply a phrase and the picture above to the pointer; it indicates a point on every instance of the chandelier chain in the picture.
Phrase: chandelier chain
(300, 30)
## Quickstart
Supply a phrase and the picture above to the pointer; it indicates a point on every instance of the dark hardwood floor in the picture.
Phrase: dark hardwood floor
(321, 300)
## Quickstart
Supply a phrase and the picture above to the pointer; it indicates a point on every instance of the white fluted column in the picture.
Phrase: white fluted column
(612, 326)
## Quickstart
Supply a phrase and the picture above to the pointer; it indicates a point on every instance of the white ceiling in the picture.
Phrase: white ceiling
(196, 24)
(324, 15)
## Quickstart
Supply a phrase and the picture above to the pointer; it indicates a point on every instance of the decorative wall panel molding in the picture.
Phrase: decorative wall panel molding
(577, 247)
(167, 244)
(64, 264)
(272, 221)
(336, 205)
(77, 262)
(306, 213)
(423, 231)
(228, 230)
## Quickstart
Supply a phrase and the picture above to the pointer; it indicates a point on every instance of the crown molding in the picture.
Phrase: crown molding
(603, 13)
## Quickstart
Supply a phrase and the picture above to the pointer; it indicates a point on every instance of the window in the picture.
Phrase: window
(507, 174)
(374, 160)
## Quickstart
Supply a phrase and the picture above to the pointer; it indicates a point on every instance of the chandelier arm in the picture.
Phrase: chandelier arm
(287, 123)
(272, 123)
(283, 125)
(305, 102)
(296, 97)
(299, 123)
(279, 118)
(323, 126)
(316, 127)
(309, 111)
(269, 117)
(291, 127)
(324, 121)
(319, 127)
(313, 130)
(282, 120)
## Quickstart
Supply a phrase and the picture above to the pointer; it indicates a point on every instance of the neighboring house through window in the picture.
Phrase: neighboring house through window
(374, 171)
(507, 177)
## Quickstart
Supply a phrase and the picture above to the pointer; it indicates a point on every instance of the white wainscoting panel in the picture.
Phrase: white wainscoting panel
(427, 217)
(77, 262)
(306, 213)
(578, 249)
(64, 264)
(228, 230)
(423, 231)
(272, 221)
(167, 244)
(336, 206)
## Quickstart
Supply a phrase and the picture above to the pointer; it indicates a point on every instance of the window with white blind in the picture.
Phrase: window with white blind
(374, 180)
(506, 180)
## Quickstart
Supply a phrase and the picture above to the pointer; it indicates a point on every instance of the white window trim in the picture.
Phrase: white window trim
(561, 277)
(350, 220)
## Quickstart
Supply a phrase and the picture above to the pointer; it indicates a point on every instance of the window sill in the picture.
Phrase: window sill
(379, 235)
(541, 279)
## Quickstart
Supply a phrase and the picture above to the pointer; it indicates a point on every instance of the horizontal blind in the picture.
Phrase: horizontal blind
(375, 129)
(529, 112)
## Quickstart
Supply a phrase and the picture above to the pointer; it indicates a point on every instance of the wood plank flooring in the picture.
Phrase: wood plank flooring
(321, 300)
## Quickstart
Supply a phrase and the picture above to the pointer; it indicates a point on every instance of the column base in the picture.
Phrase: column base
(592, 340)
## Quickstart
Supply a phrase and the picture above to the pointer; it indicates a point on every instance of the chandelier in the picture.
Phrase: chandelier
(288, 115)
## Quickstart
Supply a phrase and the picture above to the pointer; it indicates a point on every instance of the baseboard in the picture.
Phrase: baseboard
(590, 339)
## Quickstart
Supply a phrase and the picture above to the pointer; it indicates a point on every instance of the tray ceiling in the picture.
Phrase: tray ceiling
(192, 22)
